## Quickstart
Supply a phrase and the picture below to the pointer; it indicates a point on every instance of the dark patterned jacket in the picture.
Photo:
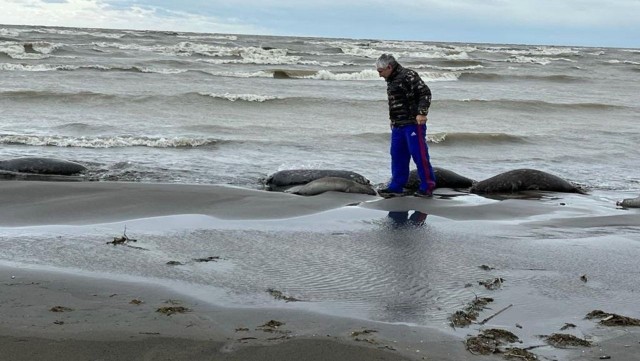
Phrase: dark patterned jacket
(408, 96)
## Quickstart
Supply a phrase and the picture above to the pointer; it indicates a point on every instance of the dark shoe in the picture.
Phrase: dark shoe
(389, 193)
(423, 194)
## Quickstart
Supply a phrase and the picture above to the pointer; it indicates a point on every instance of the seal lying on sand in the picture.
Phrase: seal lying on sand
(629, 203)
(444, 179)
(8, 175)
(286, 179)
(41, 166)
(335, 184)
(524, 180)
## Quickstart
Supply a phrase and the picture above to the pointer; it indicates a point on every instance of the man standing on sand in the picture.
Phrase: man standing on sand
(409, 101)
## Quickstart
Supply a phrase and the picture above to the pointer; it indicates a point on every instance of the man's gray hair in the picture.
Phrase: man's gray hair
(385, 60)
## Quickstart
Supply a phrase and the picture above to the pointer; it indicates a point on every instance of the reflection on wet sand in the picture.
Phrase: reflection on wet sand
(403, 219)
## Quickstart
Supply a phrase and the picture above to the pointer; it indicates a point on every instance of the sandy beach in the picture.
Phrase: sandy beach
(100, 321)
(557, 258)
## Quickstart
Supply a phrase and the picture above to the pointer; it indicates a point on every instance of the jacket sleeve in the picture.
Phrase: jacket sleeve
(422, 93)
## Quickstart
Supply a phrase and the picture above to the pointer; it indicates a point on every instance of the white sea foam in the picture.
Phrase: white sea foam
(50, 67)
(9, 32)
(44, 47)
(438, 77)
(67, 32)
(17, 51)
(370, 74)
(209, 37)
(435, 53)
(242, 97)
(26, 67)
(129, 46)
(616, 61)
(537, 51)
(529, 60)
(372, 53)
(447, 68)
(105, 142)
(150, 69)
(231, 74)
(191, 48)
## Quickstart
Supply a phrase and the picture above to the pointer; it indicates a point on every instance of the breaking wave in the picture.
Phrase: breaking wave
(51, 67)
(242, 97)
(107, 141)
(474, 138)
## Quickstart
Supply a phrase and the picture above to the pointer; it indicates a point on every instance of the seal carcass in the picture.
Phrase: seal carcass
(38, 165)
(286, 179)
(519, 180)
(629, 203)
(444, 179)
(335, 184)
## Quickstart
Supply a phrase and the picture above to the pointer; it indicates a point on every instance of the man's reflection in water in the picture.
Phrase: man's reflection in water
(403, 219)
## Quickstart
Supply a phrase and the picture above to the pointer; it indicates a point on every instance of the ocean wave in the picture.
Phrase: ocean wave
(448, 138)
(118, 141)
(242, 97)
(220, 54)
(628, 62)
(526, 105)
(29, 95)
(240, 74)
(367, 74)
(76, 32)
(83, 96)
(448, 68)
(29, 50)
(209, 37)
(445, 138)
(559, 78)
(184, 48)
(403, 49)
(84, 128)
(51, 67)
(535, 51)
(26, 67)
(521, 59)
(12, 33)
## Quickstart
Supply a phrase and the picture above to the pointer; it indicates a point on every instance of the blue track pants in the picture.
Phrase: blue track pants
(410, 141)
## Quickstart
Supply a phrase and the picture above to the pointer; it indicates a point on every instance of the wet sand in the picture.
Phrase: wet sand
(103, 319)
(103, 323)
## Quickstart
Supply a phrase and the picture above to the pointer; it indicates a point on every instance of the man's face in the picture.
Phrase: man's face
(385, 72)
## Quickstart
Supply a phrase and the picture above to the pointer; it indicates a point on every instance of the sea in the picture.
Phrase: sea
(200, 108)
(232, 109)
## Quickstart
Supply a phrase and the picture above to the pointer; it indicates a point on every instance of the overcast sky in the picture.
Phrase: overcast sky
(611, 23)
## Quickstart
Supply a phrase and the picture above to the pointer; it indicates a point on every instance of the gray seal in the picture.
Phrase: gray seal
(38, 165)
(519, 180)
(444, 179)
(286, 179)
(629, 203)
(335, 184)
